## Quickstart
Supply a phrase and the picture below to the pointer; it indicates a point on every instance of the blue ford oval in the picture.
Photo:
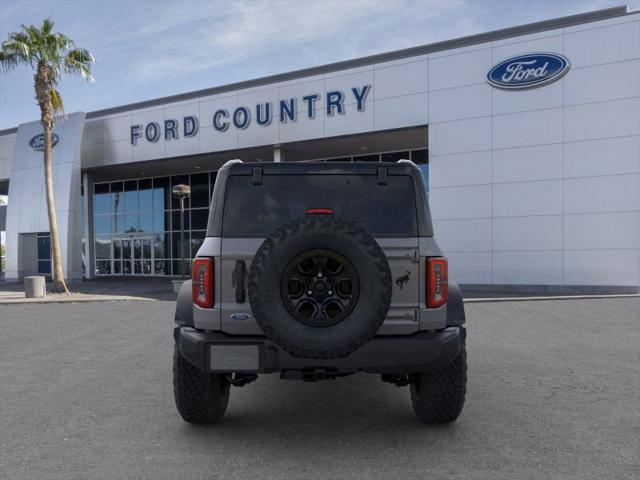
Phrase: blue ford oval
(528, 71)
(37, 141)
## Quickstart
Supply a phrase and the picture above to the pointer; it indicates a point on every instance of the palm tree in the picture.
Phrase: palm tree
(50, 55)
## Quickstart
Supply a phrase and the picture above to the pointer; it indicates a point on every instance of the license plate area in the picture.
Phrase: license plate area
(234, 358)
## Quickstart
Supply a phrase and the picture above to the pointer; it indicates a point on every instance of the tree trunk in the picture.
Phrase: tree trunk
(59, 284)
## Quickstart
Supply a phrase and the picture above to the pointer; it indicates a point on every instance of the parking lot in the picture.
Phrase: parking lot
(85, 392)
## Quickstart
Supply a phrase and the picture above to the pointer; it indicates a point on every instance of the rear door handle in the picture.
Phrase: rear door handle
(238, 281)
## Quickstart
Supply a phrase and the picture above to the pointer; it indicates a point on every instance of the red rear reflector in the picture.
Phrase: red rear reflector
(437, 282)
(319, 211)
(202, 282)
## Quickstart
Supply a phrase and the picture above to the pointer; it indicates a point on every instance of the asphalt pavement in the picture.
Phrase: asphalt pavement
(85, 393)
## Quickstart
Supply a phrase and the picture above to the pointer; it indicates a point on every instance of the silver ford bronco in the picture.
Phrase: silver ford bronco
(317, 271)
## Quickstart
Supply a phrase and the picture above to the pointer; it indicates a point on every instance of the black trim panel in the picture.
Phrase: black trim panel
(399, 354)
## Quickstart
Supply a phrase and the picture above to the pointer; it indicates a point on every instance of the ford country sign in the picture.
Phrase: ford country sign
(528, 71)
(37, 142)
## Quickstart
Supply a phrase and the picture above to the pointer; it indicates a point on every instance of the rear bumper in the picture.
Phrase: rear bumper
(399, 354)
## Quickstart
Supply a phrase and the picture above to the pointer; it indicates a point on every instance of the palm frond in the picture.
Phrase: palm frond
(56, 101)
(47, 26)
(9, 61)
(19, 47)
(79, 61)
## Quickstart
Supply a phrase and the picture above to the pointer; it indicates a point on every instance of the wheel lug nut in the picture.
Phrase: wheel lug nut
(330, 292)
(309, 292)
(319, 275)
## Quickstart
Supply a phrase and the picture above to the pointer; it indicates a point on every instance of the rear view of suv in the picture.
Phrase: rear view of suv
(316, 271)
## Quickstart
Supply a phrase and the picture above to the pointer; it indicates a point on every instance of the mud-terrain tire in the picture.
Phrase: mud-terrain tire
(200, 397)
(438, 397)
(368, 268)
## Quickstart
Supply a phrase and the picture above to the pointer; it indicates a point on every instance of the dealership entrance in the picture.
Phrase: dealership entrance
(133, 255)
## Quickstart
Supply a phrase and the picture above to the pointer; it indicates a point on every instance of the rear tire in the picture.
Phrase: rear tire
(200, 397)
(438, 397)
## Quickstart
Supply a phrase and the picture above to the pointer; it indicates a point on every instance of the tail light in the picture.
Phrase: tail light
(202, 282)
(437, 282)
(319, 211)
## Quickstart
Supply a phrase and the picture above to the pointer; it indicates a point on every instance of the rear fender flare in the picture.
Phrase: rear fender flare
(184, 305)
(455, 306)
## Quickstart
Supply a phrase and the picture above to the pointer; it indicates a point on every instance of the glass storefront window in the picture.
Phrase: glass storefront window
(116, 197)
(161, 222)
(131, 203)
(44, 247)
(175, 220)
(103, 267)
(200, 190)
(161, 194)
(145, 195)
(131, 223)
(117, 248)
(146, 222)
(160, 245)
(175, 244)
(103, 247)
(199, 218)
(102, 224)
(162, 267)
(44, 266)
(101, 199)
(186, 266)
(117, 223)
(44, 253)
(419, 156)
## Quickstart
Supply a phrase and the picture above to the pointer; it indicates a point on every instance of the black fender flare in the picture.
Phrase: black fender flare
(184, 305)
(455, 306)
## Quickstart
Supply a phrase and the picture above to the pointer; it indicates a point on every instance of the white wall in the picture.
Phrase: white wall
(27, 206)
(540, 186)
(7, 151)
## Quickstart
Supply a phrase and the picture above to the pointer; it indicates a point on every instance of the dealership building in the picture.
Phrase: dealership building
(528, 138)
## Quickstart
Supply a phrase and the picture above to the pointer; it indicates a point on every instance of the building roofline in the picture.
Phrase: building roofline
(494, 35)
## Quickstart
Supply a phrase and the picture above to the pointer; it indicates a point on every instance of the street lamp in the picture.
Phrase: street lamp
(182, 192)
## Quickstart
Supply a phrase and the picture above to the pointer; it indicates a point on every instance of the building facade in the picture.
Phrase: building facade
(528, 137)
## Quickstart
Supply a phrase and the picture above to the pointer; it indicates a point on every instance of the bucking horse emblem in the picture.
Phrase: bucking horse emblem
(403, 280)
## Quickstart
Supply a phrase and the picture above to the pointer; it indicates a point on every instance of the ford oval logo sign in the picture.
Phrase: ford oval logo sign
(240, 317)
(37, 142)
(528, 71)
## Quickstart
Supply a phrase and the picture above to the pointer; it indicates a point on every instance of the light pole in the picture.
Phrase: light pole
(182, 192)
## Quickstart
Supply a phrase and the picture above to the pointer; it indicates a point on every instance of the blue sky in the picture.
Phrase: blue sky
(149, 49)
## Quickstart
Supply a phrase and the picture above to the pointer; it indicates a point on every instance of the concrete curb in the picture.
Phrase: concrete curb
(548, 298)
(75, 299)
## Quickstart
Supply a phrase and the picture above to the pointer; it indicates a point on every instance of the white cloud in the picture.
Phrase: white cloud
(178, 41)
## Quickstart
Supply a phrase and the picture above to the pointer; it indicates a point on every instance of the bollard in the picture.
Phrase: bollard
(34, 287)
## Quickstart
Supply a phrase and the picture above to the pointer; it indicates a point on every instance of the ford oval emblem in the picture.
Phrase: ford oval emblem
(37, 142)
(240, 317)
(528, 71)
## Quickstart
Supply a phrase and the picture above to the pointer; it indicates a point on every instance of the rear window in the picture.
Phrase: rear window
(257, 210)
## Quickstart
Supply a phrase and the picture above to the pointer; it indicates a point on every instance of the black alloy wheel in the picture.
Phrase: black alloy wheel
(320, 288)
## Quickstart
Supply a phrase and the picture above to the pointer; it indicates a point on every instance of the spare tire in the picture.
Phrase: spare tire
(320, 287)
